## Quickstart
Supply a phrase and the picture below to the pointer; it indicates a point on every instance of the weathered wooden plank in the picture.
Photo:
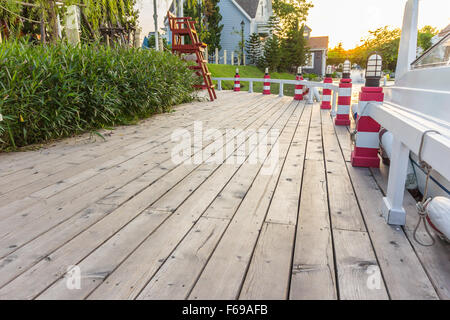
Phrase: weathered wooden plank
(180, 271)
(270, 268)
(77, 198)
(355, 258)
(358, 272)
(227, 266)
(177, 272)
(65, 174)
(24, 160)
(128, 210)
(146, 260)
(284, 206)
(313, 275)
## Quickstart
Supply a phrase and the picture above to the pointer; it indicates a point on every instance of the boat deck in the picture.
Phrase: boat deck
(140, 226)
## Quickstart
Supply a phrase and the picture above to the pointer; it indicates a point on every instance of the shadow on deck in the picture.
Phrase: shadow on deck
(138, 225)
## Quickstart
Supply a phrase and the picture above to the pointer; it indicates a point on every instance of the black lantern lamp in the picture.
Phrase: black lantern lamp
(329, 72)
(346, 69)
(373, 70)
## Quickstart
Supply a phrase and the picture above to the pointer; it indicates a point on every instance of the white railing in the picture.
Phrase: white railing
(309, 84)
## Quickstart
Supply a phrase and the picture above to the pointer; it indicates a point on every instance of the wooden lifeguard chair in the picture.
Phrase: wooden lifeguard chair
(185, 41)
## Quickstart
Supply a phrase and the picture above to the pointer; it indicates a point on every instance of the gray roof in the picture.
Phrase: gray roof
(249, 6)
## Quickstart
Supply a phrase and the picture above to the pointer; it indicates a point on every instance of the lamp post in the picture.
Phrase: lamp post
(373, 70)
(242, 39)
(155, 17)
(326, 93)
(345, 96)
(346, 69)
(365, 152)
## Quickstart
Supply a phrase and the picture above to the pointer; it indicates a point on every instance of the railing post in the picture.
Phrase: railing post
(225, 57)
(250, 87)
(281, 91)
(310, 95)
(219, 84)
(333, 111)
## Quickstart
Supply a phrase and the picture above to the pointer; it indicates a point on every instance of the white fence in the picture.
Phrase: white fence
(312, 85)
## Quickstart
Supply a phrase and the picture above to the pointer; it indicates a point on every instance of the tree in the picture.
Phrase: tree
(424, 37)
(213, 18)
(272, 53)
(291, 12)
(254, 48)
(206, 14)
(95, 15)
(293, 48)
(337, 55)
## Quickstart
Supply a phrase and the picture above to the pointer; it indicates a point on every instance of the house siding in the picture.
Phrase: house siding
(231, 20)
(318, 63)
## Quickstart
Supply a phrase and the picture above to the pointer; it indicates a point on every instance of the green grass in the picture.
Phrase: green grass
(226, 71)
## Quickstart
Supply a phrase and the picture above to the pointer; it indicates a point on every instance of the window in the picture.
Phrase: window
(310, 61)
(436, 56)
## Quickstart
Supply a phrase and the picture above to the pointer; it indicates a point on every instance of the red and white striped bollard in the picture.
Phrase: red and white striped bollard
(344, 101)
(266, 85)
(326, 94)
(237, 82)
(365, 152)
(298, 87)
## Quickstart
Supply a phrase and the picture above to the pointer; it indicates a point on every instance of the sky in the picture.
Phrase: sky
(348, 21)
(345, 21)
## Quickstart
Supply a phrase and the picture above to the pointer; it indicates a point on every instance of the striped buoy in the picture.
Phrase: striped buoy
(266, 85)
(298, 87)
(344, 101)
(237, 82)
(365, 152)
(326, 94)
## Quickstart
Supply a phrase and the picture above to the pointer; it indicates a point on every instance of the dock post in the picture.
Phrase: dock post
(345, 97)
(237, 82)
(219, 84)
(326, 93)
(365, 152)
(298, 95)
(250, 87)
(281, 91)
(266, 84)
(334, 107)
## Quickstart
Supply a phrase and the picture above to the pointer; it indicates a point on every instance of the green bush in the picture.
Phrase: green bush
(57, 91)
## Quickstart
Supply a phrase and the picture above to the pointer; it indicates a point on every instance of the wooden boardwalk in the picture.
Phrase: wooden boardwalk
(140, 226)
